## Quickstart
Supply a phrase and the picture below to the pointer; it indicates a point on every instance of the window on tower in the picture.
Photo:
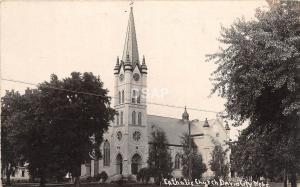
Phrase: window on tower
(139, 98)
(123, 96)
(119, 97)
(133, 117)
(118, 122)
(133, 96)
(121, 120)
(140, 118)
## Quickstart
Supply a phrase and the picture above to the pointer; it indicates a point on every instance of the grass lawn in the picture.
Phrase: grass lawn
(88, 185)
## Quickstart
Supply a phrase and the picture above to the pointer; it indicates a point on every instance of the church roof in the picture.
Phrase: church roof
(174, 128)
(130, 51)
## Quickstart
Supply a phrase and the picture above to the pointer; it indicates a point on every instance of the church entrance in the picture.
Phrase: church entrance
(135, 164)
(119, 161)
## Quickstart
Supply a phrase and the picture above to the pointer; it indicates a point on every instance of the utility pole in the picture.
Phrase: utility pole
(185, 117)
(190, 152)
(190, 136)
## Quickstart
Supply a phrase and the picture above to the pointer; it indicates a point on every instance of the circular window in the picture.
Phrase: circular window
(136, 135)
(119, 135)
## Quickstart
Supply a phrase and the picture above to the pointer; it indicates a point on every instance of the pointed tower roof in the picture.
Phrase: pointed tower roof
(130, 47)
(227, 126)
(185, 115)
(206, 123)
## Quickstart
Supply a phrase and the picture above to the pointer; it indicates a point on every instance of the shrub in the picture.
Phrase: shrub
(144, 175)
(97, 177)
(103, 175)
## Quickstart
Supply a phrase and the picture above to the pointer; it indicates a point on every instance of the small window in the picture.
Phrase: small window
(23, 173)
(106, 153)
(118, 122)
(133, 117)
(140, 118)
(121, 121)
(177, 161)
(139, 99)
(133, 96)
(217, 134)
(123, 96)
(119, 97)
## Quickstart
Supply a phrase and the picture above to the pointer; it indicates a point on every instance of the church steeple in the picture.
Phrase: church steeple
(130, 51)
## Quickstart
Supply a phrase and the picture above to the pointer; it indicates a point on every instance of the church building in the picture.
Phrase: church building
(126, 144)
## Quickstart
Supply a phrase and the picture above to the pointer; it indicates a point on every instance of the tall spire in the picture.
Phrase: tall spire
(130, 46)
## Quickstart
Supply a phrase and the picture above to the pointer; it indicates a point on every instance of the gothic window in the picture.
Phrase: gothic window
(123, 96)
(135, 164)
(119, 97)
(133, 96)
(133, 117)
(177, 161)
(139, 98)
(119, 161)
(121, 120)
(106, 153)
(118, 122)
(140, 118)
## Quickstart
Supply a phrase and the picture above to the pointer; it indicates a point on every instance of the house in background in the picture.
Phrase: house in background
(19, 173)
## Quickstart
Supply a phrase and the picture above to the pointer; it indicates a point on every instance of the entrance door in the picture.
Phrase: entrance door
(119, 161)
(135, 164)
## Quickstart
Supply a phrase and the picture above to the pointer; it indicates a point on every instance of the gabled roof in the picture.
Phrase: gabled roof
(174, 128)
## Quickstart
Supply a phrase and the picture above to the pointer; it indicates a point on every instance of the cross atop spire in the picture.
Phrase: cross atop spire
(130, 46)
(131, 3)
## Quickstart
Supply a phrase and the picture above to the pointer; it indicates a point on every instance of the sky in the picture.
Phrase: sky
(39, 38)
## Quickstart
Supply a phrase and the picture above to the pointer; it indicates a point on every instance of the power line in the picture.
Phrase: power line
(55, 88)
(181, 107)
(98, 95)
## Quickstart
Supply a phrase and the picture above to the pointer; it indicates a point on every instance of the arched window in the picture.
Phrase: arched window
(106, 153)
(118, 120)
(121, 121)
(135, 164)
(138, 97)
(177, 161)
(133, 96)
(119, 97)
(119, 164)
(140, 118)
(123, 96)
(133, 118)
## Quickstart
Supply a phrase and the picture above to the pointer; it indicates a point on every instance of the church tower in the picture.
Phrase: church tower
(130, 135)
